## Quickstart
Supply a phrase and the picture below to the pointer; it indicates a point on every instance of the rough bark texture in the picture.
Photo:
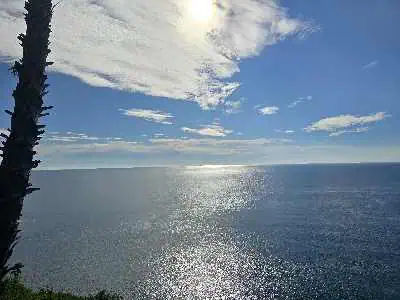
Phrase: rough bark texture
(18, 146)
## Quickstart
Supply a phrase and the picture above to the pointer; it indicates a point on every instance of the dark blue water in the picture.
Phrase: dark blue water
(284, 232)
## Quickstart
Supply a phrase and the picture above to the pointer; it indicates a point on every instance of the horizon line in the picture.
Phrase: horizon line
(217, 165)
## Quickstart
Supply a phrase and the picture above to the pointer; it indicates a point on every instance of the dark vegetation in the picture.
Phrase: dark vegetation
(17, 148)
(24, 134)
(15, 290)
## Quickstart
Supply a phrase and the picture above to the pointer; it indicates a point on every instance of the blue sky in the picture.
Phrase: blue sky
(198, 82)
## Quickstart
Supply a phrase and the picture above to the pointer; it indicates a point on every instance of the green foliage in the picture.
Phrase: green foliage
(15, 290)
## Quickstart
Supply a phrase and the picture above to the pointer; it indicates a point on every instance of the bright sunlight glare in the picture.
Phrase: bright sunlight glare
(201, 10)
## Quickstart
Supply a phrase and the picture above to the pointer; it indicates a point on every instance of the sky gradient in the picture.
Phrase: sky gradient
(226, 82)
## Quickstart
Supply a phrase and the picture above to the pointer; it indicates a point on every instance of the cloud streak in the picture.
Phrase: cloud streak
(345, 123)
(72, 137)
(210, 146)
(214, 130)
(61, 154)
(299, 101)
(238, 151)
(356, 130)
(268, 110)
(155, 47)
(156, 116)
(287, 131)
(370, 65)
(234, 107)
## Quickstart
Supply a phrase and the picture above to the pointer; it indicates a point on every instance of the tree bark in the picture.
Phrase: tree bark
(25, 133)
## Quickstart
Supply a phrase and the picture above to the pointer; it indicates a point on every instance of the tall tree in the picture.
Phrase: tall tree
(25, 132)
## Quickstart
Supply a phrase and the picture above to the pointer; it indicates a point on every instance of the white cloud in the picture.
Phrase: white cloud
(155, 47)
(55, 141)
(60, 154)
(338, 123)
(370, 65)
(215, 130)
(232, 151)
(216, 146)
(208, 151)
(268, 110)
(299, 101)
(287, 131)
(233, 107)
(72, 137)
(89, 147)
(156, 116)
(356, 130)
(113, 139)
(210, 146)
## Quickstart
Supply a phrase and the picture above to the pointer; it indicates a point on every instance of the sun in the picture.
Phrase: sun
(201, 10)
(198, 18)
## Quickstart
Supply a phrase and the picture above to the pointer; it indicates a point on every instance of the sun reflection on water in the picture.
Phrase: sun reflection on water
(211, 189)
(217, 267)
(206, 259)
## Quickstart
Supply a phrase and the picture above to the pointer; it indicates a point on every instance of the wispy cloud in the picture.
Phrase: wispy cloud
(210, 151)
(210, 146)
(72, 137)
(356, 130)
(90, 147)
(61, 154)
(72, 142)
(216, 146)
(299, 101)
(156, 47)
(156, 116)
(215, 130)
(370, 65)
(345, 123)
(287, 131)
(234, 107)
(268, 110)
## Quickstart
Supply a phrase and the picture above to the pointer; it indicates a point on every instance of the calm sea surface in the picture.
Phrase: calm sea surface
(283, 232)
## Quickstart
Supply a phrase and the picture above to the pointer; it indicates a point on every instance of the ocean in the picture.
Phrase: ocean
(216, 232)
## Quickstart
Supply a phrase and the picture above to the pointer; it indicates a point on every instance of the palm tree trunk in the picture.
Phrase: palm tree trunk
(18, 147)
